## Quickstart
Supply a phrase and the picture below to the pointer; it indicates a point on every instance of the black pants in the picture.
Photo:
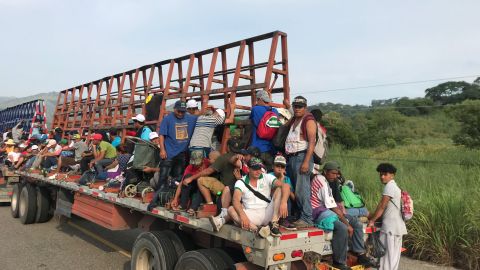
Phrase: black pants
(173, 167)
(84, 163)
(190, 192)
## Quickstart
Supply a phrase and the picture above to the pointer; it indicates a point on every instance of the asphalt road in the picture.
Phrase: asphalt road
(80, 244)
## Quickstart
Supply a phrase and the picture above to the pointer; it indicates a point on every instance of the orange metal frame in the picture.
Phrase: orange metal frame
(226, 72)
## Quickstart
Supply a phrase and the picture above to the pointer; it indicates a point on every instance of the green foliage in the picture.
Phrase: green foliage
(415, 106)
(443, 182)
(340, 131)
(453, 92)
(468, 114)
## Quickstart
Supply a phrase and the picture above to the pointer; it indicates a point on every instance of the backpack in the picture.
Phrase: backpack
(406, 205)
(351, 199)
(321, 147)
(268, 126)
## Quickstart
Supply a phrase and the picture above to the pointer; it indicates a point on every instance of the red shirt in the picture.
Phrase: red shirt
(191, 170)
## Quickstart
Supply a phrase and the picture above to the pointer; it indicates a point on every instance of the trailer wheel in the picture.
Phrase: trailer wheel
(28, 204)
(205, 259)
(168, 249)
(176, 241)
(14, 204)
(153, 250)
(43, 205)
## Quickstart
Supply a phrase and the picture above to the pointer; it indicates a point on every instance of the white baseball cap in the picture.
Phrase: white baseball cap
(221, 113)
(192, 103)
(22, 145)
(140, 118)
(51, 143)
(153, 135)
(34, 147)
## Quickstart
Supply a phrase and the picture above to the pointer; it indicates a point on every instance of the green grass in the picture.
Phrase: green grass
(444, 182)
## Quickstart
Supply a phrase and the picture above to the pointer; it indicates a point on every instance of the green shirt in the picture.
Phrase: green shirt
(110, 150)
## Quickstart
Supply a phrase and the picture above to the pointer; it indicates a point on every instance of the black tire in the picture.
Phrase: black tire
(43, 205)
(15, 202)
(27, 204)
(168, 251)
(176, 241)
(205, 259)
(153, 250)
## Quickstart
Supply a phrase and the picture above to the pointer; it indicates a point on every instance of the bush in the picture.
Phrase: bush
(468, 114)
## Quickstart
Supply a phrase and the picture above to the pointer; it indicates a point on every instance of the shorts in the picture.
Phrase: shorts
(213, 184)
(260, 216)
(69, 161)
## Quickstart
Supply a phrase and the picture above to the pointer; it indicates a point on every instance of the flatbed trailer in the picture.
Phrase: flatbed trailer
(110, 210)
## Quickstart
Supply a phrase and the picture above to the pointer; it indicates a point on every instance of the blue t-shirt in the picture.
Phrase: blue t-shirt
(177, 133)
(145, 134)
(287, 181)
(255, 116)
(117, 141)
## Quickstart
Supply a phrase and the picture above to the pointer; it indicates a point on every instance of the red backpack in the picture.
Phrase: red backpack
(268, 126)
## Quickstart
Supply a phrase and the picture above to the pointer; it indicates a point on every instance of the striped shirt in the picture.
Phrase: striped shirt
(202, 135)
(321, 193)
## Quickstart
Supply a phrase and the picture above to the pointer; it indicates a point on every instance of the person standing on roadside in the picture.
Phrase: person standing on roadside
(393, 226)
(299, 147)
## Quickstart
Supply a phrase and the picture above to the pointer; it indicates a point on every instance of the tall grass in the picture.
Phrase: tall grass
(444, 182)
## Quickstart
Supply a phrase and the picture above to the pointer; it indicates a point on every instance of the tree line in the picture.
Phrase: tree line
(448, 110)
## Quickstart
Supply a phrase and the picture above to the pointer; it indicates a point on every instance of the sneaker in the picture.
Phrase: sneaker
(367, 261)
(264, 231)
(217, 223)
(275, 229)
(301, 224)
(284, 223)
(341, 266)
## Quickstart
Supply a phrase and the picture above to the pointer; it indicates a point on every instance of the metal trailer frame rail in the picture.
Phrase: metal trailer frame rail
(225, 72)
(7, 180)
(28, 111)
(127, 213)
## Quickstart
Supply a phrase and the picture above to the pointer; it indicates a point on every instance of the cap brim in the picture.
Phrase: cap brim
(256, 167)
(280, 163)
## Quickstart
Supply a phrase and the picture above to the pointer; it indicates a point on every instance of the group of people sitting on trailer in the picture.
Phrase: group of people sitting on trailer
(257, 186)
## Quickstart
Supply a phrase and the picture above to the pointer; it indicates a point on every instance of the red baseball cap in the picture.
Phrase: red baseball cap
(97, 136)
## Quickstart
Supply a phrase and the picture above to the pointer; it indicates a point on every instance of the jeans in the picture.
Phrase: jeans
(29, 162)
(190, 192)
(301, 182)
(101, 164)
(341, 237)
(357, 212)
(49, 162)
(173, 167)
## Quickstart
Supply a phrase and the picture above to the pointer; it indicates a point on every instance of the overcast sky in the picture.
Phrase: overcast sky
(52, 45)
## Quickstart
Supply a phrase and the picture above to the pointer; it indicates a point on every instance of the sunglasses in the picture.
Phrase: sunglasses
(298, 106)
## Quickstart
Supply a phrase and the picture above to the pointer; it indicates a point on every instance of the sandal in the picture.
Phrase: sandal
(177, 209)
(191, 212)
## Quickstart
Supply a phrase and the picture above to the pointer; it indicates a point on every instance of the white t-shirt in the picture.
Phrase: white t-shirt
(392, 221)
(57, 149)
(13, 157)
(264, 186)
